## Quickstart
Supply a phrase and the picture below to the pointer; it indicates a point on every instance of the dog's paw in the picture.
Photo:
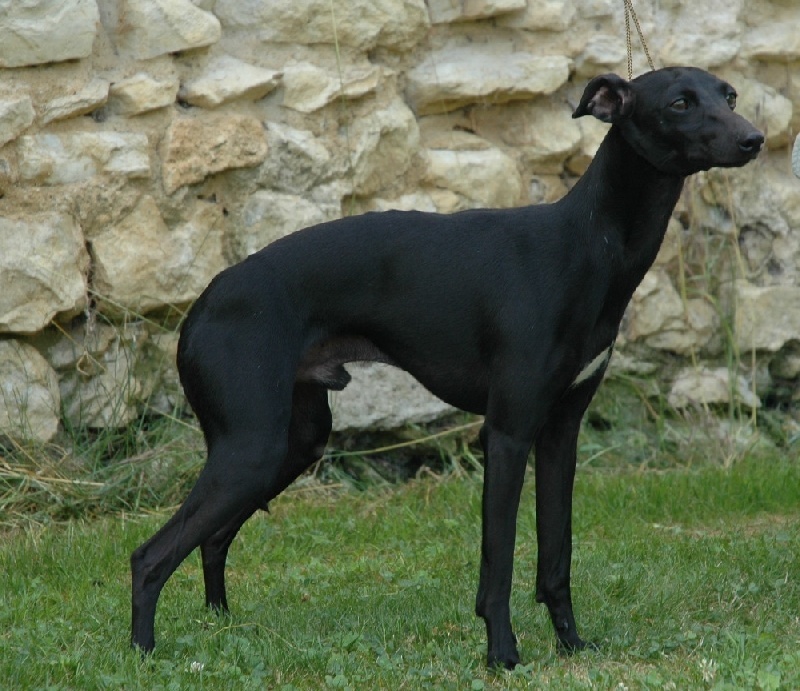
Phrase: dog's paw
(498, 662)
(575, 645)
(143, 649)
(504, 659)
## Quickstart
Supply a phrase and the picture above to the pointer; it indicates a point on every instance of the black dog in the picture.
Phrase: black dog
(511, 314)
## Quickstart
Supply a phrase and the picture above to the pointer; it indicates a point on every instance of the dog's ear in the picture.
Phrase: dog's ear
(607, 97)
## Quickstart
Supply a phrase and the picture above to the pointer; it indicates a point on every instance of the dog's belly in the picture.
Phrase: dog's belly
(458, 385)
(465, 389)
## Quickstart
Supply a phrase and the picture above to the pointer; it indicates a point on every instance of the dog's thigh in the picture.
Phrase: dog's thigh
(309, 427)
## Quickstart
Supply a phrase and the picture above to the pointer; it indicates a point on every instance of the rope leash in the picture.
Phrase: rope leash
(630, 12)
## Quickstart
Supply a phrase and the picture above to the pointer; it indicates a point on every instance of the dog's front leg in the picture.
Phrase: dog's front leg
(505, 461)
(555, 474)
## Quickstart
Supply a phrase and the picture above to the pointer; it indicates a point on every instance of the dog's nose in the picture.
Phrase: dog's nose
(751, 144)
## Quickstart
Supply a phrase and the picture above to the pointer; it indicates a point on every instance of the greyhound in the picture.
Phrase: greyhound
(511, 314)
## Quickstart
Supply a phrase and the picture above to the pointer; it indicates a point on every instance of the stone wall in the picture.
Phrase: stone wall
(147, 144)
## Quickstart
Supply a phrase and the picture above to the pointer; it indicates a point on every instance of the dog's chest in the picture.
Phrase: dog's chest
(592, 367)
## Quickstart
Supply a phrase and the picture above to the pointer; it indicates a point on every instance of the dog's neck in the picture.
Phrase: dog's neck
(630, 198)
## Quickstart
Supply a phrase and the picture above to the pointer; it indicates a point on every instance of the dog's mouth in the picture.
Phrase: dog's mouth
(727, 152)
(740, 160)
(701, 161)
(734, 156)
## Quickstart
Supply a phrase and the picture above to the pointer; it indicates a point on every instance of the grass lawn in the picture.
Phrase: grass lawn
(686, 578)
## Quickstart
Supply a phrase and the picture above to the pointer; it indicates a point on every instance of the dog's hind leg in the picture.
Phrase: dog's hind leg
(309, 428)
(237, 474)
(214, 552)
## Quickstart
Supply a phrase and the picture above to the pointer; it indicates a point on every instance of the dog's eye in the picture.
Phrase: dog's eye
(731, 99)
(679, 104)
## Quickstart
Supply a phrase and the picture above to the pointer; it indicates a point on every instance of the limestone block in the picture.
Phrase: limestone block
(542, 15)
(106, 372)
(142, 93)
(544, 135)
(30, 402)
(671, 245)
(308, 88)
(71, 346)
(361, 24)
(227, 79)
(383, 147)
(596, 9)
(85, 100)
(546, 189)
(765, 108)
(784, 262)
(703, 386)
(157, 373)
(485, 176)
(703, 34)
(195, 147)
(772, 41)
(329, 197)
(141, 264)
(655, 307)
(383, 397)
(766, 317)
(766, 197)
(444, 11)
(603, 52)
(36, 32)
(479, 9)
(417, 201)
(101, 389)
(658, 317)
(453, 77)
(593, 132)
(268, 216)
(154, 27)
(16, 115)
(61, 159)
(698, 49)
(296, 160)
(448, 202)
(44, 264)
(696, 328)
(756, 247)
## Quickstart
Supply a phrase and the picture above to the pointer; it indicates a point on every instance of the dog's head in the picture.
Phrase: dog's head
(680, 119)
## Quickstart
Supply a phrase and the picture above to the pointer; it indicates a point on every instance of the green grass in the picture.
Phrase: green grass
(677, 574)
